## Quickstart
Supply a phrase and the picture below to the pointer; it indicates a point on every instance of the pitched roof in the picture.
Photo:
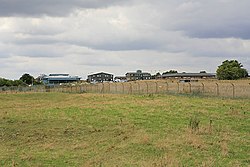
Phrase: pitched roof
(98, 73)
(189, 75)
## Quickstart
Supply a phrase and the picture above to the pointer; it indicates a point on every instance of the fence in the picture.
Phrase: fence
(224, 89)
(16, 89)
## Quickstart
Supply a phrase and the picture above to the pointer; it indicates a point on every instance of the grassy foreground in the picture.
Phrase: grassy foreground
(59, 129)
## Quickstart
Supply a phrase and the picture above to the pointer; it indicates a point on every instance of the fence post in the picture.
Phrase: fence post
(131, 91)
(109, 87)
(147, 86)
(102, 88)
(190, 87)
(88, 88)
(91, 88)
(178, 87)
(80, 88)
(97, 90)
(123, 88)
(233, 90)
(217, 89)
(139, 87)
(84, 88)
(203, 88)
(156, 87)
(167, 86)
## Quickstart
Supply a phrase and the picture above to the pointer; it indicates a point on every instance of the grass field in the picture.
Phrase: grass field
(59, 129)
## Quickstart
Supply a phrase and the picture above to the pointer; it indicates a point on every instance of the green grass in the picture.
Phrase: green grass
(59, 129)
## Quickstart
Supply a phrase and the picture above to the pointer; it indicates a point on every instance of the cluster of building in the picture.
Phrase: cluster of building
(129, 76)
(101, 77)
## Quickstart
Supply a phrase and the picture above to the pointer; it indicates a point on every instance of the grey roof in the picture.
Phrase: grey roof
(137, 73)
(189, 75)
(58, 74)
(61, 77)
(98, 73)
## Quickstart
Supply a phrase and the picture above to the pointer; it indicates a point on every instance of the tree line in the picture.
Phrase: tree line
(228, 70)
(24, 80)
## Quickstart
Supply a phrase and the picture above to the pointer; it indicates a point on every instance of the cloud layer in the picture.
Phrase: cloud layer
(83, 36)
(51, 7)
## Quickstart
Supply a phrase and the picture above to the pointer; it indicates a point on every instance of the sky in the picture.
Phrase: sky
(81, 37)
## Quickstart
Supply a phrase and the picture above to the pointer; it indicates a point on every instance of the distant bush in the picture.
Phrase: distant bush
(6, 82)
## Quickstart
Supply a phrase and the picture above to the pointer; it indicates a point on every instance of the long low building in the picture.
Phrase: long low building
(189, 75)
(59, 78)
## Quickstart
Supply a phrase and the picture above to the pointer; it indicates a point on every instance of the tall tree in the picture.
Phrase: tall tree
(27, 78)
(231, 70)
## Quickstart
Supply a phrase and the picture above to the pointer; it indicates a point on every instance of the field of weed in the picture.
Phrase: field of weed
(60, 129)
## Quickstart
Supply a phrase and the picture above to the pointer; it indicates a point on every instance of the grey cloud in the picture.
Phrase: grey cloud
(95, 64)
(50, 7)
(37, 51)
(170, 34)
(37, 41)
(204, 19)
(215, 19)
(124, 45)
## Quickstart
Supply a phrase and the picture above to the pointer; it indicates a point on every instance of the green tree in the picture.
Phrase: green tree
(17, 83)
(231, 70)
(156, 76)
(27, 78)
(170, 72)
(2, 82)
(7, 82)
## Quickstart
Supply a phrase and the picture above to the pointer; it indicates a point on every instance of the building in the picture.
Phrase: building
(189, 76)
(53, 79)
(120, 79)
(100, 77)
(138, 75)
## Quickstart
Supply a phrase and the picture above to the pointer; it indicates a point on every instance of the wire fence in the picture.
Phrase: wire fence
(224, 89)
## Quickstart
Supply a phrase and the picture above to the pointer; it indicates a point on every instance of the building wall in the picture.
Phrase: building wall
(100, 77)
(65, 78)
(138, 76)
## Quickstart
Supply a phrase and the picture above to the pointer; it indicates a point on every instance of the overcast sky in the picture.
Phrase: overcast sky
(85, 36)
